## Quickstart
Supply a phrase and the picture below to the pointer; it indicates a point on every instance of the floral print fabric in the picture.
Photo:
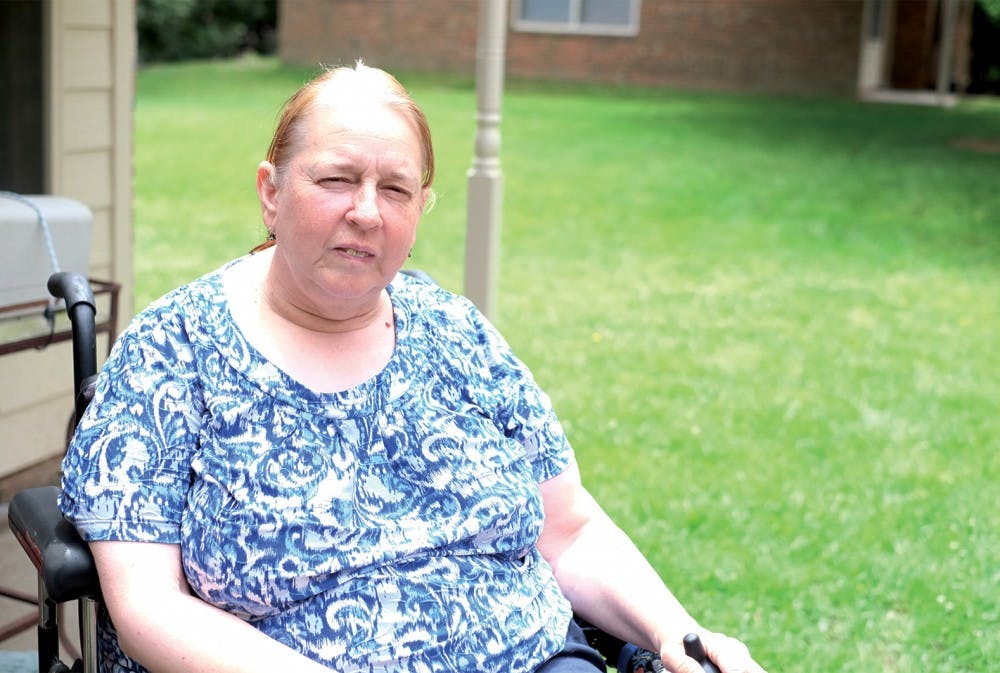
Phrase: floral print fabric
(390, 527)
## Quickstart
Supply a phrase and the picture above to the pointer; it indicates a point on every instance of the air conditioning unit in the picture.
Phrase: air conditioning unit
(25, 254)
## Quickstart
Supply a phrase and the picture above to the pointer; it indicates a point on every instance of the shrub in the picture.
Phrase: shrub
(178, 30)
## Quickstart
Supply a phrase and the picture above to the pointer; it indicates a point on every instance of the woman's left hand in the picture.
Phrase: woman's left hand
(728, 654)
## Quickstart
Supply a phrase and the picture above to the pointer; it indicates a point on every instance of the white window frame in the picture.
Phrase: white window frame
(574, 26)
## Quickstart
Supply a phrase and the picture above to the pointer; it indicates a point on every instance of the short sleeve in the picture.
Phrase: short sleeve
(525, 410)
(126, 472)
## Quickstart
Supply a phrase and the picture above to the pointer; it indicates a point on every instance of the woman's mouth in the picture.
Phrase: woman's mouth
(353, 252)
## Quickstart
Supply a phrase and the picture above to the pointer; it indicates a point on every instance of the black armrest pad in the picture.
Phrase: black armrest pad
(62, 558)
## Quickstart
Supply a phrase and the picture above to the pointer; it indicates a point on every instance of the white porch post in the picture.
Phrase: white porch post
(485, 179)
(946, 50)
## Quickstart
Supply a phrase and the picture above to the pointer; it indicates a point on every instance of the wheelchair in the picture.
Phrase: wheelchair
(65, 567)
(61, 558)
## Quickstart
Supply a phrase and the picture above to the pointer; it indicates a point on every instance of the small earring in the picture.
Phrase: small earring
(271, 236)
(410, 253)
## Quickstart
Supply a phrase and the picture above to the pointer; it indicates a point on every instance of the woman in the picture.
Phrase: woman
(306, 461)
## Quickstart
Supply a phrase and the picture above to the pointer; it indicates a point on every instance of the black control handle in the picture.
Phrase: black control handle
(694, 649)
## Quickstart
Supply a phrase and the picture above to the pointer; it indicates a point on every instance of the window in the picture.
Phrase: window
(587, 17)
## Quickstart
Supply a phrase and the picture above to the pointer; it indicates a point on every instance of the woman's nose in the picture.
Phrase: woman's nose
(365, 211)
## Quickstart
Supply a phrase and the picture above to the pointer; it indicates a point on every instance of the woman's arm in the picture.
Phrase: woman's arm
(611, 585)
(163, 626)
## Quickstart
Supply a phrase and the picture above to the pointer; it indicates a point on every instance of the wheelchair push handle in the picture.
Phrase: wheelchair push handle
(81, 307)
(72, 287)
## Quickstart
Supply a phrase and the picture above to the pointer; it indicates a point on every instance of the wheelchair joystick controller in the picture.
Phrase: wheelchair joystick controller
(644, 661)
(694, 649)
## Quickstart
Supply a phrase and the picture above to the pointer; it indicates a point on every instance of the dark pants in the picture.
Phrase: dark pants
(576, 657)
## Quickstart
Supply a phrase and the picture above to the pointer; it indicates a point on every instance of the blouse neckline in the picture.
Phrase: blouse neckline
(232, 344)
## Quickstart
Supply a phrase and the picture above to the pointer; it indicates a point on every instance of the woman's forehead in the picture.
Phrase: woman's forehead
(348, 155)
(361, 118)
(350, 138)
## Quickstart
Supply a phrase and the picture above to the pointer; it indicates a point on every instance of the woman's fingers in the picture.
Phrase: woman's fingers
(728, 654)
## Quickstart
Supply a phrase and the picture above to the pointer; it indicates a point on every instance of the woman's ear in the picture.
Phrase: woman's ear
(267, 193)
(429, 198)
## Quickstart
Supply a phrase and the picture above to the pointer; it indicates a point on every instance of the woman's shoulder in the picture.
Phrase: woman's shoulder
(422, 295)
(451, 322)
(188, 308)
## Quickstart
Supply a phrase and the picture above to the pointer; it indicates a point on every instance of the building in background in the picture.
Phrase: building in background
(861, 48)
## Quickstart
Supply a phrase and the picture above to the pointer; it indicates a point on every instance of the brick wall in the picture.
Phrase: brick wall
(784, 46)
(420, 35)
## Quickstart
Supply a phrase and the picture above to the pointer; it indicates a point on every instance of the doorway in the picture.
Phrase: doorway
(22, 104)
(916, 50)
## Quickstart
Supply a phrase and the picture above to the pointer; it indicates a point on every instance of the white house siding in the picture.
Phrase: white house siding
(90, 72)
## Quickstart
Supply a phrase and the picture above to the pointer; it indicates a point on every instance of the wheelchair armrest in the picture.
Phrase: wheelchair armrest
(60, 555)
(608, 645)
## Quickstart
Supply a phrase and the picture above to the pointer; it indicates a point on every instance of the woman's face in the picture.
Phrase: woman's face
(346, 208)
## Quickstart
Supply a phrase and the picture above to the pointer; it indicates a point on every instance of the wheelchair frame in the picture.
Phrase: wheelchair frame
(65, 566)
(61, 558)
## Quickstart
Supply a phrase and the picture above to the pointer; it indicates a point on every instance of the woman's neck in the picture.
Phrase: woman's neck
(331, 319)
(327, 353)
(278, 297)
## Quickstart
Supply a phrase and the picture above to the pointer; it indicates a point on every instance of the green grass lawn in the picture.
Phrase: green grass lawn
(770, 326)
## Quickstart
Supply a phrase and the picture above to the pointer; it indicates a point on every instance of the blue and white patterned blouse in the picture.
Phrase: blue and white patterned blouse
(390, 527)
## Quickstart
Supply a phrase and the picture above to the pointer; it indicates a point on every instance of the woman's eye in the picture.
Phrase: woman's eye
(336, 180)
(397, 189)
